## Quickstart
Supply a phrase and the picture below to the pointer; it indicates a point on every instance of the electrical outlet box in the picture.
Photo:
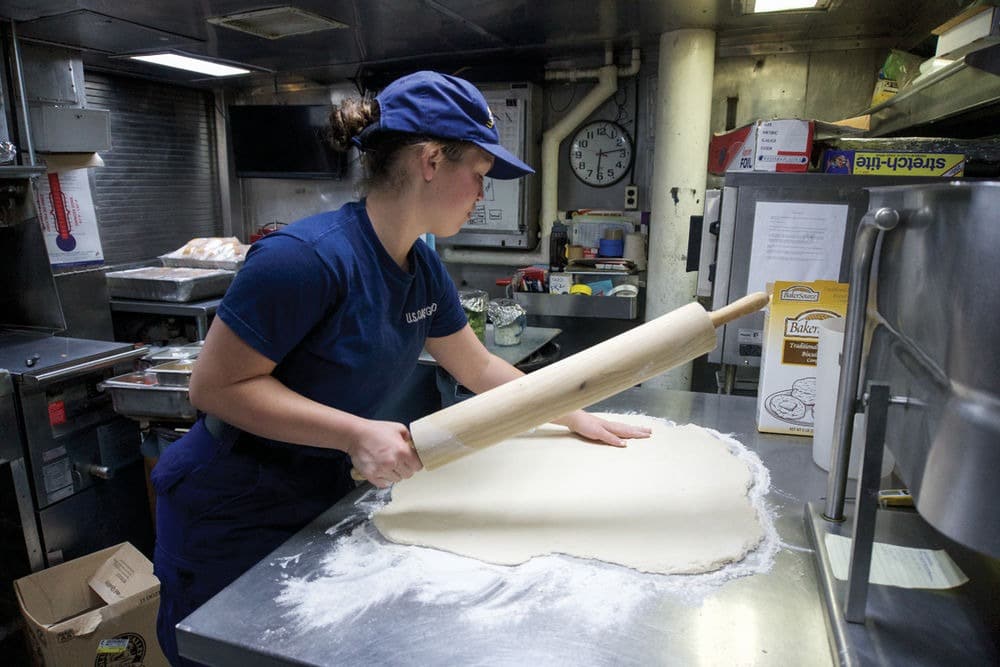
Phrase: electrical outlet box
(70, 129)
(631, 197)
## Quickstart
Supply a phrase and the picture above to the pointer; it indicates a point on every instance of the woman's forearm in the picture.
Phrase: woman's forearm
(265, 407)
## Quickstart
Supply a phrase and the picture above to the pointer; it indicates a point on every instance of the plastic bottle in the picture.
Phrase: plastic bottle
(558, 240)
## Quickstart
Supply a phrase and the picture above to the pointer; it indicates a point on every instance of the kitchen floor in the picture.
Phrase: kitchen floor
(13, 646)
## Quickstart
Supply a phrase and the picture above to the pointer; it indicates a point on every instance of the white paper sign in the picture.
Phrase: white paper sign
(66, 214)
(893, 565)
(796, 241)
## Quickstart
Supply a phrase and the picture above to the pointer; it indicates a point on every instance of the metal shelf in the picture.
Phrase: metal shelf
(575, 305)
(964, 86)
(20, 171)
(599, 272)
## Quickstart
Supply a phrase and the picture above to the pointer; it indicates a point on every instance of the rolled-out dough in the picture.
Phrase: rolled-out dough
(672, 503)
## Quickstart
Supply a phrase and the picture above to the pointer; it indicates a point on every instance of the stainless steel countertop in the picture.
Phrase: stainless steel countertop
(532, 340)
(775, 617)
(911, 626)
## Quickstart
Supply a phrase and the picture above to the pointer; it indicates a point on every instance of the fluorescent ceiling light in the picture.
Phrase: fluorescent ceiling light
(765, 6)
(191, 64)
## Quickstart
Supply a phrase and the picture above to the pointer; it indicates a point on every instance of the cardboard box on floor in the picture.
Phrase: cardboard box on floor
(98, 609)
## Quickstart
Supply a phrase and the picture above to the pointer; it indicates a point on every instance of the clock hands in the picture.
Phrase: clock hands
(601, 154)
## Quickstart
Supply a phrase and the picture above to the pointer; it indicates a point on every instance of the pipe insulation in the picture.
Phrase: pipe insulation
(680, 165)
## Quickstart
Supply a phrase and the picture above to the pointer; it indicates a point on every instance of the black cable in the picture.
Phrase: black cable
(570, 102)
(620, 105)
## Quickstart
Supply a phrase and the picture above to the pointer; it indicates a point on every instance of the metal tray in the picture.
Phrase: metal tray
(190, 262)
(139, 396)
(174, 352)
(175, 373)
(164, 283)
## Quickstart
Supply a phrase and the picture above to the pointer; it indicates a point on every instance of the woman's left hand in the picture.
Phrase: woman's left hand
(595, 428)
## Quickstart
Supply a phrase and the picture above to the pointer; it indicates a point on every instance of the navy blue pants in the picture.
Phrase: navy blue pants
(222, 506)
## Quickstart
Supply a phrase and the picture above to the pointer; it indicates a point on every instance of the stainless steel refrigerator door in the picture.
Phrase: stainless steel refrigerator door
(740, 341)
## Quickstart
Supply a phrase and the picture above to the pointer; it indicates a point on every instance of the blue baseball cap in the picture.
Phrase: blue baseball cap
(446, 107)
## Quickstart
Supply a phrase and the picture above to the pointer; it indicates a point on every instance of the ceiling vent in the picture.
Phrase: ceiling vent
(277, 22)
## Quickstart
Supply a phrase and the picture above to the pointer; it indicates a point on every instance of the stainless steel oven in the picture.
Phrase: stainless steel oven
(72, 479)
(81, 479)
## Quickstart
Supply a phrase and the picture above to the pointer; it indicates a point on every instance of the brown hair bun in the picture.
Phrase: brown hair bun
(348, 119)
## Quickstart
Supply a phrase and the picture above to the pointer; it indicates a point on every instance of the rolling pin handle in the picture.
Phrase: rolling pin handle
(751, 303)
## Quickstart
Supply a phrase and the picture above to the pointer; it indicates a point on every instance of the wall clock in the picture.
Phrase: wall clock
(600, 153)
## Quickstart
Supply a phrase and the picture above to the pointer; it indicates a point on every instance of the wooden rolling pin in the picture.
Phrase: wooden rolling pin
(572, 383)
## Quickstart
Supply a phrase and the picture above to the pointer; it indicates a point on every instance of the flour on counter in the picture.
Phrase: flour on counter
(362, 572)
(287, 560)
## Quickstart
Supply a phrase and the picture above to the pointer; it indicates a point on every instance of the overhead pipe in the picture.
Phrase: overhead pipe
(607, 86)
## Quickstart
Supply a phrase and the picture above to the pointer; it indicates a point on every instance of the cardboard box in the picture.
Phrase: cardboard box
(885, 90)
(887, 163)
(98, 610)
(862, 123)
(786, 394)
(975, 28)
(782, 145)
(732, 151)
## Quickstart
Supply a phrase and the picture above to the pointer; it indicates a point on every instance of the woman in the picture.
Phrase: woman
(325, 318)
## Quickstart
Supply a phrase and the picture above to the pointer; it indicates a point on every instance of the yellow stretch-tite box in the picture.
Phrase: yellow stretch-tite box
(786, 395)
(885, 163)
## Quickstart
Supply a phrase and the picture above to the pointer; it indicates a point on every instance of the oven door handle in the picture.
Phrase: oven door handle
(70, 371)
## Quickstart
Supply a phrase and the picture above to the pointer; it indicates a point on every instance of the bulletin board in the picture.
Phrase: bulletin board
(500, 209)
(501, 219)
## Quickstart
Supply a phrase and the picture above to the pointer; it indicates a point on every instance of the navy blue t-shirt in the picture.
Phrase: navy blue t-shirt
(344, 323)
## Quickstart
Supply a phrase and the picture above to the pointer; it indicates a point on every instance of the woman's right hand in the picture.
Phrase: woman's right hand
(383, 452)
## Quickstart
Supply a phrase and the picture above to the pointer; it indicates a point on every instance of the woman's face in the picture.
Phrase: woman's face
(457, 186)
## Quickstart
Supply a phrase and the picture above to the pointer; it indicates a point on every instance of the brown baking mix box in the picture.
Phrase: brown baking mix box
(786, 394)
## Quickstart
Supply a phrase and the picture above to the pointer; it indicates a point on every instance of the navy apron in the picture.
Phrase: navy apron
(224, 503)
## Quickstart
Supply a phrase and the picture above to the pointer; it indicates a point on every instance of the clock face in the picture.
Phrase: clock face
(601, 153)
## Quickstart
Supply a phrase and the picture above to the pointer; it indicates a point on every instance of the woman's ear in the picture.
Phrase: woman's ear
(431, 158)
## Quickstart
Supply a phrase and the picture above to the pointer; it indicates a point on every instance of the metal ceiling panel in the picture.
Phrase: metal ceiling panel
(385, 34)
(91, 31)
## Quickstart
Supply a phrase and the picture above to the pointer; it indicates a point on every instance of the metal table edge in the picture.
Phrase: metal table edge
(816, 528)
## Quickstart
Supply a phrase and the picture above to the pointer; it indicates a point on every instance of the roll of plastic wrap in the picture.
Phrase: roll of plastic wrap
(635, 250)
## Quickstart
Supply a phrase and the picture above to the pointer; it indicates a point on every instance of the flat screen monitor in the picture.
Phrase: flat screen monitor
(283, 141)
